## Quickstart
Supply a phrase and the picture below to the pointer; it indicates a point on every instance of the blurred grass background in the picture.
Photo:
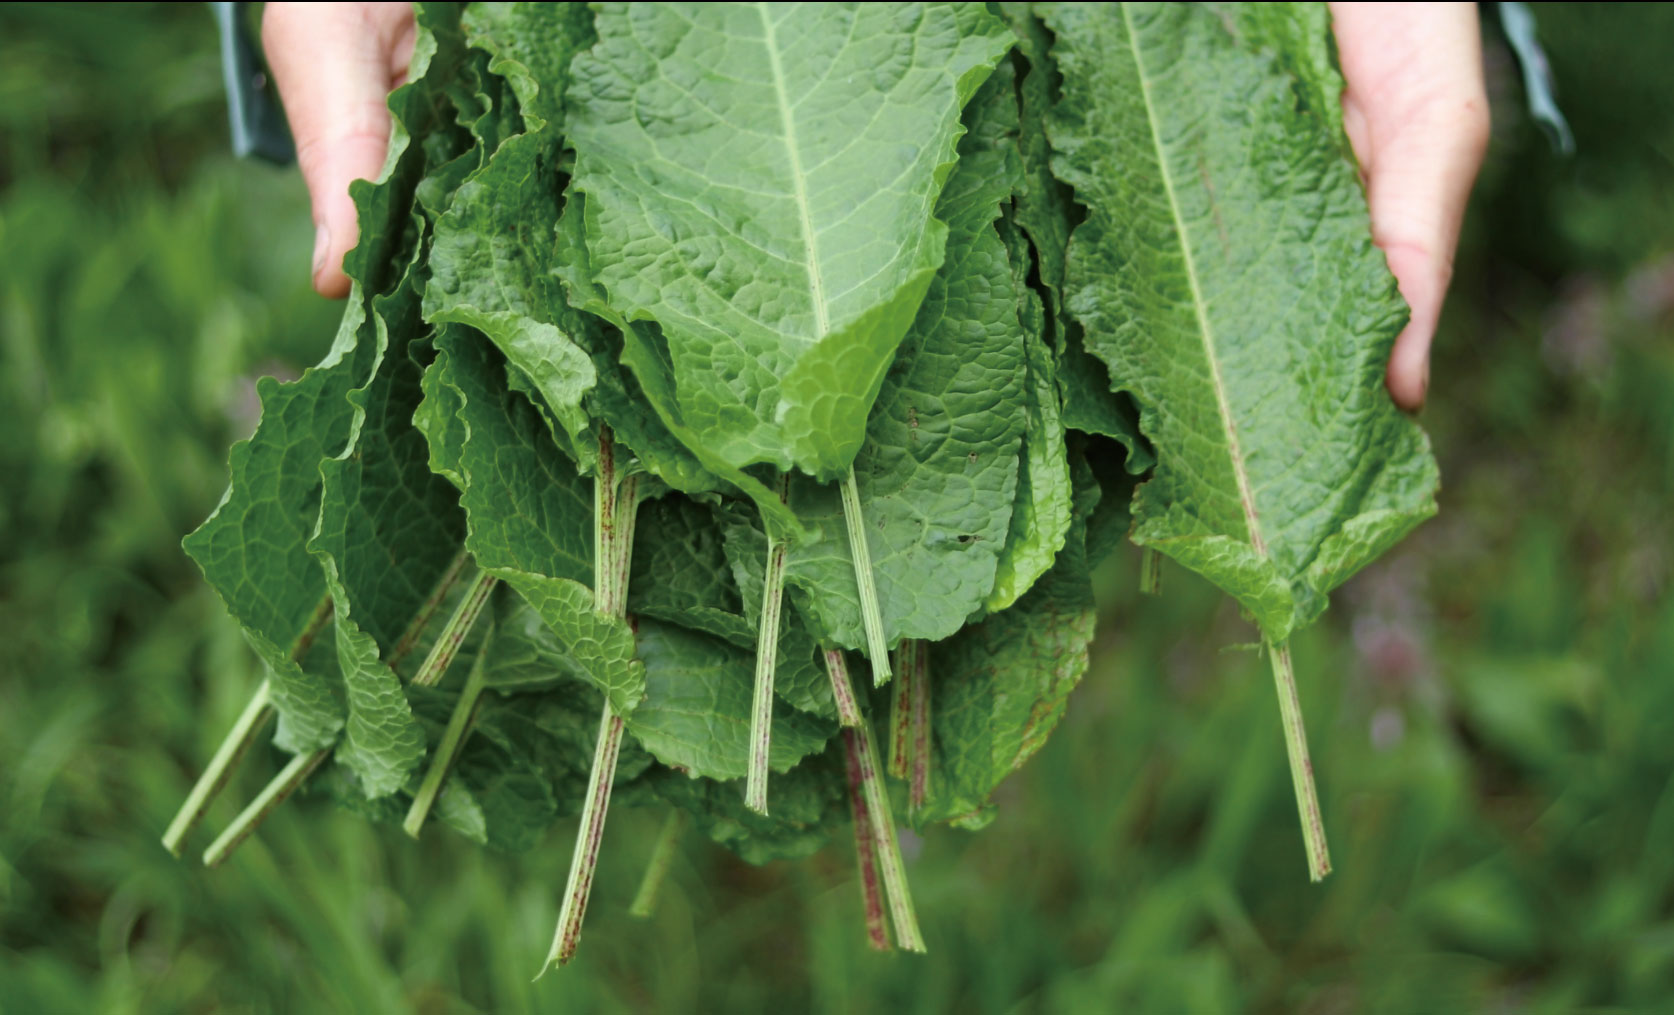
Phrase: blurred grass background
(1491, 708)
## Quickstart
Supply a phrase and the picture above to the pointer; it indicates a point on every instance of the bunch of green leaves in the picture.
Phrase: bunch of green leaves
(914, 311)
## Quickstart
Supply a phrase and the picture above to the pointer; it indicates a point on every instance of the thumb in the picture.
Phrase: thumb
(334, 65)
(1416, 112)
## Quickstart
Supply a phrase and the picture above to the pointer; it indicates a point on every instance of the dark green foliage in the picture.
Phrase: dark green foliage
(995, 275)
(1508, 837)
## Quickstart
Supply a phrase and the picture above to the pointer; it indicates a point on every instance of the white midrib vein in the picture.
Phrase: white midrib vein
(1202, 311)
(799, 185)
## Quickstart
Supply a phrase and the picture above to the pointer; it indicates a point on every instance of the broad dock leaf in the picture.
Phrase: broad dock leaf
(938, 471)
(696, 712)
(529, 511)
(388, 530)
(254, 549)
(1000, 686)
(759, 181)
(1225, 273)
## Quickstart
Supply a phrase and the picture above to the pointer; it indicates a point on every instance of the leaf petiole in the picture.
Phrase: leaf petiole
(1301, 768)
(301, 766)
(585, 860)
(1150, 572)
(457, 629)
(656, 868)
(615, 509)
(918, 722)
(865, 851)
(415, 629)
(238, 740)
(767, 651)
(859, 742)
(871, 614)
(848, 710)
(900, 713)
(448, 748)
(220, 768)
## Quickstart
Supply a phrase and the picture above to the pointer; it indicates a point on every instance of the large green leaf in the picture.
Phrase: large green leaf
(759, 182)
(1000, 686)
(529, 512)
(1046, 211)
(254, 549)
(1226, 275)
(937, 474)
(643, 408)
(1041, 518)
(696, 712)
(498, 255)
(491, 265)
(388, 530)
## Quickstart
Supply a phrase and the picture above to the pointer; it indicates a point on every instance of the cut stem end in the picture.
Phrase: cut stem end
(1301, 767)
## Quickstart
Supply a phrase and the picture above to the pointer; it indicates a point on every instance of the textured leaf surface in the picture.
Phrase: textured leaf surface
(938, 472)
(499, 255)
(388, 530)
(1000, 686)
(254, 549)
(1041, 518)
(774, 218)
(532, 45)
(491, 269)
(684, 575)
(1046, 212)
(530, 513)
(696, 712)
(1225, 273)
(680, 572)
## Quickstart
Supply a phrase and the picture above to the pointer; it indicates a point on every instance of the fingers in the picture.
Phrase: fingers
(334, 65)
(1416, 113)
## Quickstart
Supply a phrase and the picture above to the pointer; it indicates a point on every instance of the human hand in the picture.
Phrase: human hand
(335, 65)
(1416, 112)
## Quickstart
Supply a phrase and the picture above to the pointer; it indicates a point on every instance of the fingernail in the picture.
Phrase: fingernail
(322, 243)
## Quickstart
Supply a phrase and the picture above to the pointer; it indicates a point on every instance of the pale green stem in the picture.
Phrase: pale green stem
(848, 710)
(767, 653)
(656, 868)
(220, 769)
(271, 796)
(447, 749)
(865, 749)
(457, 629)
(604, 522)
(415, 630)
(615, 511)
(1301, 768)
(918, 785)
(1150, 572)
(239, 739)
(871, 615)
(900, 712)
(585, 860)
(300, 767)
(865, 848)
